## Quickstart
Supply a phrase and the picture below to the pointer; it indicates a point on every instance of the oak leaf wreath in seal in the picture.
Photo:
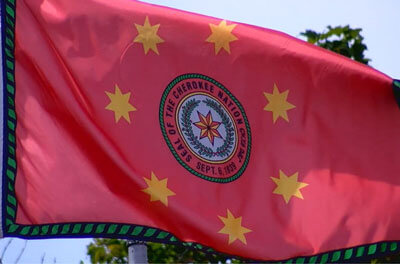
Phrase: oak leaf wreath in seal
(186, 124)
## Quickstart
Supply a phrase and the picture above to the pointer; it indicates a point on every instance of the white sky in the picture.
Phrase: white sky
(382, 36)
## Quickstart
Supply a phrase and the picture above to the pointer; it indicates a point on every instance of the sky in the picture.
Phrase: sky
(379, 28)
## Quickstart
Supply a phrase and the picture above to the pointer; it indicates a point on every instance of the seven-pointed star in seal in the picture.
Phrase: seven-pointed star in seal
(288, 186)
(208, 127)
(233, 227)
(148, 36)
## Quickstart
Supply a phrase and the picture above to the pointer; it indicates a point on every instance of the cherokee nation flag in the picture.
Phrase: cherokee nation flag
(128, 120)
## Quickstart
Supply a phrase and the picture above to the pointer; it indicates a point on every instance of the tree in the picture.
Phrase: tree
(108, 251)
(115, 251)
(343, 40)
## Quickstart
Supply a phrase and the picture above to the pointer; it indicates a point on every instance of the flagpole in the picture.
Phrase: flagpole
(137, 252)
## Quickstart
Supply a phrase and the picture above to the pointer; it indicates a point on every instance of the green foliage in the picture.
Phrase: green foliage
(108, 251)
(115, 251)
(392, 259)
(343, 40)
(162, 253)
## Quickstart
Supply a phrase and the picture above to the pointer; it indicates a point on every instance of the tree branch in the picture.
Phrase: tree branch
(22, 252)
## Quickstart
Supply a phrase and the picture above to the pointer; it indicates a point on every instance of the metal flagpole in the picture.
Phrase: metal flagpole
(137, 252)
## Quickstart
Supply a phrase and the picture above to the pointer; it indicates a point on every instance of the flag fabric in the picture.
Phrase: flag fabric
(128, 120)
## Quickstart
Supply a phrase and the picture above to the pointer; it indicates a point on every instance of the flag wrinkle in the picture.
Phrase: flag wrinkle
(69, 76)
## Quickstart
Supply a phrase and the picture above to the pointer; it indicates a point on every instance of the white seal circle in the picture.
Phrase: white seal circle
(207, 127)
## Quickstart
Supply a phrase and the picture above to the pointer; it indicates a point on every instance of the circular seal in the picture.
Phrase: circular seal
(205, 128)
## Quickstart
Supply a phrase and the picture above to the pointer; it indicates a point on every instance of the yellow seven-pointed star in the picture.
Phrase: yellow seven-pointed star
(148, 36)
(221, 36)
(233, 227)
(278, 104)
(288, 186)
(120, 104)
(157, 189)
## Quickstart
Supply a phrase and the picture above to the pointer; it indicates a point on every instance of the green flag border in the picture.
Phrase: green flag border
(396, 91)
(112, 230)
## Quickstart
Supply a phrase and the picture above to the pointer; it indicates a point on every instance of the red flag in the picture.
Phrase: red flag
(128, 120)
